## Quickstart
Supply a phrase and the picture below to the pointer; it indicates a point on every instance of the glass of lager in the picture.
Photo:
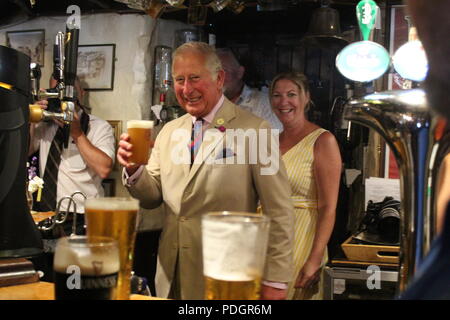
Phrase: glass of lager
(140, 132)
(117, 218)
(234, 254)
(86, 268)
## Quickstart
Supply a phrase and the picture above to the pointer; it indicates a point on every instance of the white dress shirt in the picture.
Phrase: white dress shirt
(258, 103)
(74, 174)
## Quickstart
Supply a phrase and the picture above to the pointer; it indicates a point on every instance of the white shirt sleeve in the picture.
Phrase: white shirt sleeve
(101, 135)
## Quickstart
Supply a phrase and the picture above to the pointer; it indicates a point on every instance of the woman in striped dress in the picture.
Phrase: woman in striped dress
(313, 163)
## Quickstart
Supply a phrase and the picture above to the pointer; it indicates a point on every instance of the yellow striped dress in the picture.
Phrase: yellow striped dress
(299, 166)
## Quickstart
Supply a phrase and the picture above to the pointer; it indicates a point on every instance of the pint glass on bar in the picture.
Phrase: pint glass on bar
(140, 132)
(234, 252)
(86, 268)
(116, 218)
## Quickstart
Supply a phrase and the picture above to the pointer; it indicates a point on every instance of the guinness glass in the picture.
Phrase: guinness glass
(115, 218)
(86, 268)
(140, 132)
(234, 252)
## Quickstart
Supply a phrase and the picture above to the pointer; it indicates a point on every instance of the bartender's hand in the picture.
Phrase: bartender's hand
(42, 103)
(75, 127)
(124, 154)
(271, 293)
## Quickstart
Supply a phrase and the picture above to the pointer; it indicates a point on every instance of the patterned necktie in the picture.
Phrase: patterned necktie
(196, 138)
(51, 172)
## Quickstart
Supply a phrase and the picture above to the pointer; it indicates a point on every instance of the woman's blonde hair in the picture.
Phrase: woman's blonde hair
(298, 78)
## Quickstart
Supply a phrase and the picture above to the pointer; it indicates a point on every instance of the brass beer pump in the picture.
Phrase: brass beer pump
(410, 128)
(65, 55)
(405, 121)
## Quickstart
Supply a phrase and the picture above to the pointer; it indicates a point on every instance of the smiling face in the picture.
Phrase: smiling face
(288, 102)
(196, 87)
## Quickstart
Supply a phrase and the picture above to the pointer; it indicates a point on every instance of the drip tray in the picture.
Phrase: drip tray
(356, 249)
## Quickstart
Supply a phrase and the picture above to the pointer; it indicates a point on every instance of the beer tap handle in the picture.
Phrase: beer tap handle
(58, 58)
(68, 110)
(70, 73)
(35, 75)
(70, 61)
(66, 135)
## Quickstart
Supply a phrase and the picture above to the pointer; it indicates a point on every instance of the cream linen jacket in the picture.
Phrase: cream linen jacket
(188, 193)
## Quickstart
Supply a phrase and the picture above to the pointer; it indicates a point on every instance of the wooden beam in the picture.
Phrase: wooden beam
(101, 3)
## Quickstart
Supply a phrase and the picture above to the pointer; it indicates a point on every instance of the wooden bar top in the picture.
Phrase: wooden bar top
(44, 291)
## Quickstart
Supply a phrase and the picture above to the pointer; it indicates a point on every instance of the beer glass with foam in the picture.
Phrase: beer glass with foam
(86, 268)
(140, 132)
(234, 254)
(117, 218)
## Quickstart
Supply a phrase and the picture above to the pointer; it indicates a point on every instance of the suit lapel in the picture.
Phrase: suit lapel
(187, 126)
(214, 138)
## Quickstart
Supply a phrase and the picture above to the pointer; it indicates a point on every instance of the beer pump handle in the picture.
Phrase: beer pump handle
(58, 57)
(70, 61)
(66, 135)
(35, 75)
(70, 74)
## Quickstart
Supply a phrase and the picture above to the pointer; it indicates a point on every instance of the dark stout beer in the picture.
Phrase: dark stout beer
(91, 287)
(86, 268)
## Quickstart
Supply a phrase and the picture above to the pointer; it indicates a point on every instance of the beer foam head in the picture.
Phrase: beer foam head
(112, 203)
(90, 259)
(141, 124)
(234, 248)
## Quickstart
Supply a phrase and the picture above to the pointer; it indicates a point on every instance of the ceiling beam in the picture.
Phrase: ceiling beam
(101, 3)
(22, 5)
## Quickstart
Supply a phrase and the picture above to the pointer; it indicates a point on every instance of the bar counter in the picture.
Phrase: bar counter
(44, 291)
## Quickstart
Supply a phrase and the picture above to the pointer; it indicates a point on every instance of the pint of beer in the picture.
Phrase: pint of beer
(140, 132)
(234, 252)
(86, 268)
(116, 218)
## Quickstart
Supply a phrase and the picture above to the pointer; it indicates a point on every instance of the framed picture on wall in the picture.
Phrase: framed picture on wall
(30, 42)
(95, 66)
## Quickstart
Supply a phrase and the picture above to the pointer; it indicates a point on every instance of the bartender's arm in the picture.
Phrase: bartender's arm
(95, 158)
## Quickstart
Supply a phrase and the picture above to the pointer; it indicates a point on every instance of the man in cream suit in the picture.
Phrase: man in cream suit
(209, 184)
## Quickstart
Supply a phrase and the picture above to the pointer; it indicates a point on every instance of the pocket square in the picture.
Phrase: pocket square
(225, 153)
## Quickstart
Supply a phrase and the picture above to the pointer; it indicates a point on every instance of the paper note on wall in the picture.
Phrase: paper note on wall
(379, 188)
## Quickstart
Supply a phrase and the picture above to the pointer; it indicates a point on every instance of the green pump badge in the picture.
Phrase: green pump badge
(364, 60)
(366, 13)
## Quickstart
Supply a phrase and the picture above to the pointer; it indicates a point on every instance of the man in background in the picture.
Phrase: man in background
(250, 99)
(81, 166)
